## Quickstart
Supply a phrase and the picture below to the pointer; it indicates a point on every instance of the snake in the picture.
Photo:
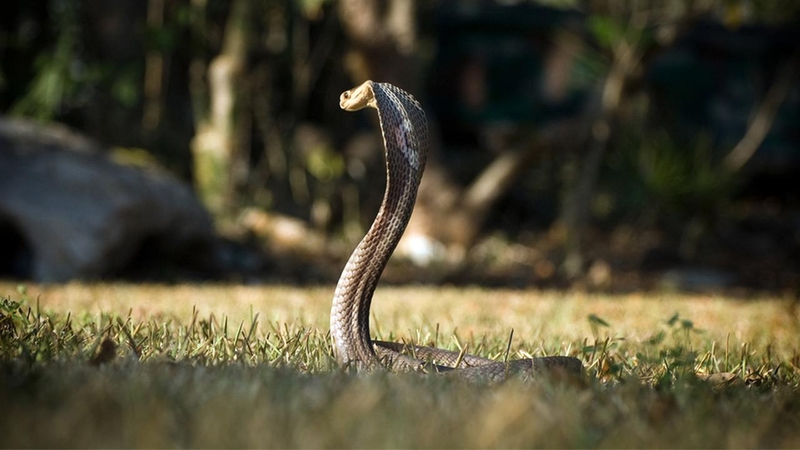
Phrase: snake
(404, 129)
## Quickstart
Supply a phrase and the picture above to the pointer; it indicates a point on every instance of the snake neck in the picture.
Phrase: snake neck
(353, 297)
(404, 131)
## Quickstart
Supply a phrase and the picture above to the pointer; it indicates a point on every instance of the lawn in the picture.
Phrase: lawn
(119, 365)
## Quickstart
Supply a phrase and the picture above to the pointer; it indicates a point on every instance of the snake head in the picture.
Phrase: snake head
(359, 97)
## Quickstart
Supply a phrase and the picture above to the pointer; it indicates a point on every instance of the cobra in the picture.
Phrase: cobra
(404, 129)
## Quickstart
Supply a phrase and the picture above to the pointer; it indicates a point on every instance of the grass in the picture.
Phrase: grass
(119, 365)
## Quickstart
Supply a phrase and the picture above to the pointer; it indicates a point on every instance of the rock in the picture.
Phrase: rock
(80, 214)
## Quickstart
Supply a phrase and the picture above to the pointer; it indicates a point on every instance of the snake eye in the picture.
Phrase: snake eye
(346, 94)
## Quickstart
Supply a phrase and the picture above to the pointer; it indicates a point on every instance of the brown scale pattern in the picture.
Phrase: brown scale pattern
(405, 138)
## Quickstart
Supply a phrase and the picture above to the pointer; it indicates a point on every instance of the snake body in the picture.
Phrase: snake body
(405, 137)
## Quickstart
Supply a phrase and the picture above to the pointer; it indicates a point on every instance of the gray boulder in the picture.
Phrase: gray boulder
(80, 215)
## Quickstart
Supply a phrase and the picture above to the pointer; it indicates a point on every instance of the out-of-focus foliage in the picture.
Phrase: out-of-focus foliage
(681, 178)
(59, 71)
(495, 77)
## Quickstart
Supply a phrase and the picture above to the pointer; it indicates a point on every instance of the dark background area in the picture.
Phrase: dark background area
(605, 145)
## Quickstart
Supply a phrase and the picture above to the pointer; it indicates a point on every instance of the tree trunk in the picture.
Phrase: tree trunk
(218, 148)
(762, 120)
(625, 63)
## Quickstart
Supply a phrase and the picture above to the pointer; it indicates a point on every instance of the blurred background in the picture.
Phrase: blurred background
(600, 144)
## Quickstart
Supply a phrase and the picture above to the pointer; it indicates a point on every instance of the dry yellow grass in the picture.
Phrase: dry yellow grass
(121, 365)
(537, 317)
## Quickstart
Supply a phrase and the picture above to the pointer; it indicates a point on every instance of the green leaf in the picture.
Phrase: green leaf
(596, 320)
(673, 319)
(606, 31)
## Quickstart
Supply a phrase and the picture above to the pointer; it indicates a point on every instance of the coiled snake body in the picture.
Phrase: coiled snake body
(405, 138)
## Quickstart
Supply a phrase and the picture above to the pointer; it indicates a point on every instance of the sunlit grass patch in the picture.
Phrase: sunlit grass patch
(252, 367)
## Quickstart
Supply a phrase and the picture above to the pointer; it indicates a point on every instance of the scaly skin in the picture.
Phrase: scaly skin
(405, 137)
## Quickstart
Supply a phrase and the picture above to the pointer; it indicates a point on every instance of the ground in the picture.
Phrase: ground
(223, 365)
